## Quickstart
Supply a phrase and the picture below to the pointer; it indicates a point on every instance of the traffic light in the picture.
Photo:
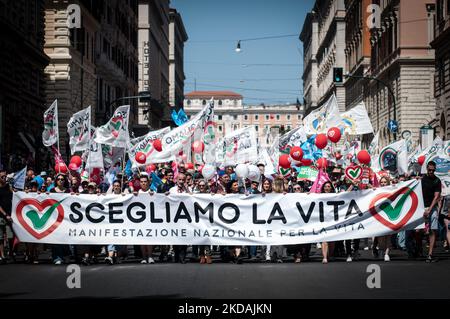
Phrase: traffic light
(338, 75)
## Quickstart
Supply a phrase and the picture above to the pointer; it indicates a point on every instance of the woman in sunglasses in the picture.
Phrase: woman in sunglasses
(61, 184)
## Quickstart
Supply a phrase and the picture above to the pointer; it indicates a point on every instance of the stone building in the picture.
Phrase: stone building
(95, 64)
(310, 38)
(231, 114)
(22, 82)
(357, 49)
(442, 68)
(177, 37)
(401, 57)
(328, 17)
(153, 38)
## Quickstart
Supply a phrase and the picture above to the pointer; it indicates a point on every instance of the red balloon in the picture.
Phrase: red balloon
(76, 160)
(284, 161)
(334, 134)
(306, 161)
(150, 168)
(363, 157)
(296, 153)
(157, 145)
(73, 167)
(322, 163)
(198, 147)
(61, 167)
(338, 156)
(189, 166)
(140, 157)
(321, 141)
(421, 160)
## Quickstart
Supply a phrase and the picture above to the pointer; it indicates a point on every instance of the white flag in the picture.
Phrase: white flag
(394, 158)
(320, 120)
(115, 132)
(19, 179)
(94, 154)
(50, 135)
(240, 146)
(177, 139)
(78, 128)
(146, 146)
(294, 137)
(356, 121)
(374, 145)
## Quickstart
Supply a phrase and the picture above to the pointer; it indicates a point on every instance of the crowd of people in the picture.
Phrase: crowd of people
(436, 214)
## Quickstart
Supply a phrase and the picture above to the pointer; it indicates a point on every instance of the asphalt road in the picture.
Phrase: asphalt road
(401, 278)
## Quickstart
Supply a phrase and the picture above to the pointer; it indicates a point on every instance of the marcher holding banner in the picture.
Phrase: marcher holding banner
(327, 188)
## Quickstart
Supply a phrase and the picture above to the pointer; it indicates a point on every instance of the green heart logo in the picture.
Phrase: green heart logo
(353, 172)
(285, 171)
(394, 212)
(39, 220)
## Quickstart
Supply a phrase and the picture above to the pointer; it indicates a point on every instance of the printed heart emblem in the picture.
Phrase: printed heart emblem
(353, 172)
(384, 201)
(38, 217)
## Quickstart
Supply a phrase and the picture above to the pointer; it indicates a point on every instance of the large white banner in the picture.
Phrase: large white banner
(181, 219)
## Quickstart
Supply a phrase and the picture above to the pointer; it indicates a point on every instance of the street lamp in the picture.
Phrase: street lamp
(238, 46)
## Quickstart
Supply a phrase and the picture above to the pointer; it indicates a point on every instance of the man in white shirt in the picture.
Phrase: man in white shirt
(180, 187)
(147, 250)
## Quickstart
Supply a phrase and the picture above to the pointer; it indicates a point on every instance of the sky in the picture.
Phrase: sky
(265, 71)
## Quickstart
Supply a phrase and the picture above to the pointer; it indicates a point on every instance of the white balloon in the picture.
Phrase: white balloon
(241, 171)
(253, 173)
(208, 171)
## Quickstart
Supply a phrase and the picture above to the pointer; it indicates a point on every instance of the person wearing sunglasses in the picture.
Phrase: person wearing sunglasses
(431, 190)
(61, 183)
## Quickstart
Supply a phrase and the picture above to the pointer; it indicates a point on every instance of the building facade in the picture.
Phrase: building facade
(442, 67)
(330, 15)
(231, 114)
(153, 38)
(22, 83)
(177, 38)
(357, 49)
(95, 64)
(402, 58)
(310, 38)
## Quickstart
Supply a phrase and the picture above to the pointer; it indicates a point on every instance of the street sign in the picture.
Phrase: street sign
(392, 126)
